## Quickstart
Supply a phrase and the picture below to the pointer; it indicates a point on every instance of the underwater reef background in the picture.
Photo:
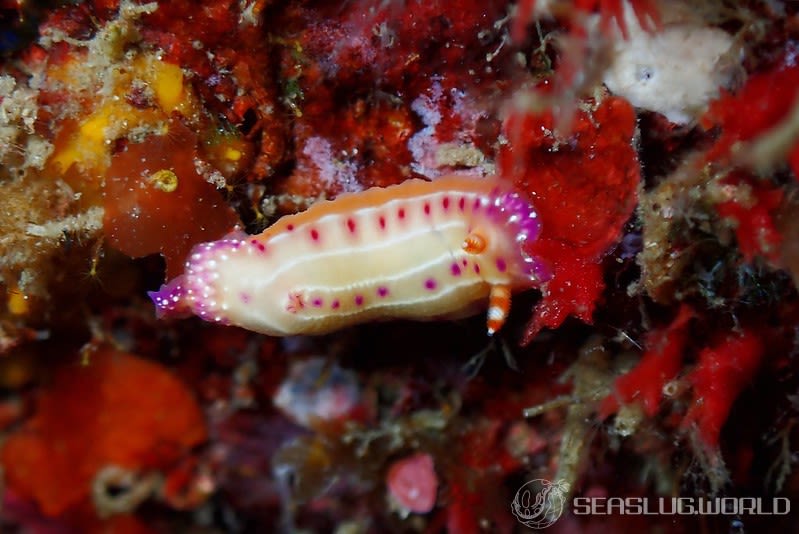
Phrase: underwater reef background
(657, 140)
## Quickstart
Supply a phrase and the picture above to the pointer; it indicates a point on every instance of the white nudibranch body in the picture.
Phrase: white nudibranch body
(418, 250)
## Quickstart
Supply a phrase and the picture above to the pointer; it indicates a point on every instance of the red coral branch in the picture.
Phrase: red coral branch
(755, 227)
(722, 372)
(660, 363)
(760, 105)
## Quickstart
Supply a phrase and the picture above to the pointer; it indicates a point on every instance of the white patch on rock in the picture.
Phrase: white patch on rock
(675, 71)
(332, 170)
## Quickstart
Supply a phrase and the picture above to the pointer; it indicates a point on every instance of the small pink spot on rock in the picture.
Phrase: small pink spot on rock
(413, 484)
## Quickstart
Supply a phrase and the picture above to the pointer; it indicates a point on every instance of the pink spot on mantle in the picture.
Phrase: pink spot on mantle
(358, 300)
(314, 234)
(382, 291)
(501, 265)
(455, 269)
(430, 283)
(351, 225)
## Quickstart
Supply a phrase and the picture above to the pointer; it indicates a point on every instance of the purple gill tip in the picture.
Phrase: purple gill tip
(512, 209)
(170, 300)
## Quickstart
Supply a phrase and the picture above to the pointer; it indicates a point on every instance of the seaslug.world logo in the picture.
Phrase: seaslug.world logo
(539, 503)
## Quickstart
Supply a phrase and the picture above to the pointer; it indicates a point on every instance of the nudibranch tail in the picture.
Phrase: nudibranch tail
(170, 301)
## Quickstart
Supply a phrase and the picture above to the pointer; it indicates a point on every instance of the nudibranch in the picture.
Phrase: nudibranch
(419, 250)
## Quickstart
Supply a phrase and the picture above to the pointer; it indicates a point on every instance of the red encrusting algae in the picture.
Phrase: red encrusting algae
(153, 195)
(585, 187)
(116, 410)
